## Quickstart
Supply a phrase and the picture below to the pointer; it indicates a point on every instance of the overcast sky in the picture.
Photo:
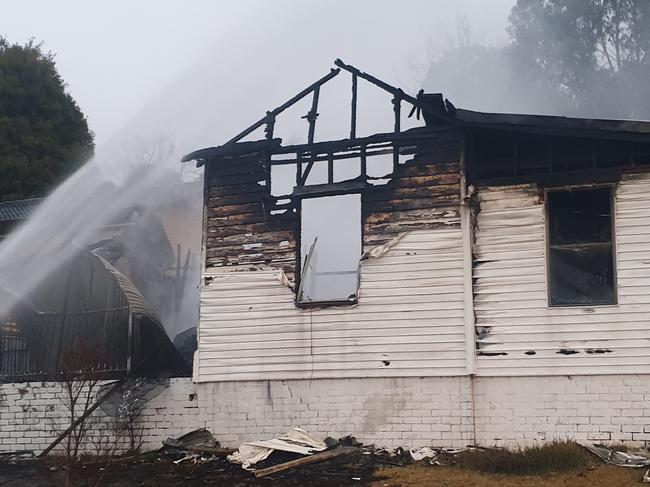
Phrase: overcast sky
(126, 61)
(198, 72)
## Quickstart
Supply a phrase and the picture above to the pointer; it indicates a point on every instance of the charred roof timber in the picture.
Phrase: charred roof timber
(500, 148)
(431, 106)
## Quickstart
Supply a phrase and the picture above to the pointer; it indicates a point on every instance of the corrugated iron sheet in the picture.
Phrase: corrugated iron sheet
(518, 333)
(409, 320)
(18, 210)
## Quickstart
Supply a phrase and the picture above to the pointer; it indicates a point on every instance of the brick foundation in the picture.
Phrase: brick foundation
(408, 412)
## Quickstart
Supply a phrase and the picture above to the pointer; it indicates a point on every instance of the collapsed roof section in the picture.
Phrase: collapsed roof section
(629, 138)
(84, 316)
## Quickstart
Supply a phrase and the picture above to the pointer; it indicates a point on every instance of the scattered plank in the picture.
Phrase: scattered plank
(317, 457)
(218, 452)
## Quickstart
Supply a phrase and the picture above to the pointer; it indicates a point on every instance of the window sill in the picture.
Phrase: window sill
(328, 304)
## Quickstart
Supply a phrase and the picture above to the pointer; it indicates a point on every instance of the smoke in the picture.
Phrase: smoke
(561, 58)
(135, 181)
(124, 221)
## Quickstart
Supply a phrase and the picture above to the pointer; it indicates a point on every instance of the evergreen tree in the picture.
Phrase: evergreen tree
(44, 136)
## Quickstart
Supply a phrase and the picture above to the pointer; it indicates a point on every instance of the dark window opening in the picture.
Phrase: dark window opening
(581, 261)
(330, 249)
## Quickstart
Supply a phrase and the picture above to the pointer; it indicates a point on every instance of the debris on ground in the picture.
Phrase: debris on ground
(195, 442)
(298, 462)
(295, 441)
(198, 438)
(318, 457)
(638, 459)
(14, 456)
(422, 453)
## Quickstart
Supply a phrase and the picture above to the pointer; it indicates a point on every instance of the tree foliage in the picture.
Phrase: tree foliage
(44, 135)
(586, 58)
(590, 56)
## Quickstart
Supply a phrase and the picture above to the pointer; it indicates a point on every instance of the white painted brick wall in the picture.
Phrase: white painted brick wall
(524, 410)
(404, 412)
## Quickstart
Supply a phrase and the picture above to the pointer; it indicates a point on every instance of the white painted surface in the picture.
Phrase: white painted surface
(408, 322)
(516, 411)
(390, 412)
(511, 294)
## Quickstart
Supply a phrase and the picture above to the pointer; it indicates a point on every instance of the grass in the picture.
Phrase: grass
(557, 456)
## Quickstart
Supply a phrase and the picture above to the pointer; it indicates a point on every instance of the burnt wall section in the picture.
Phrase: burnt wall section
(519, 155)
(518, 333)
(243, 231)
(423, 193)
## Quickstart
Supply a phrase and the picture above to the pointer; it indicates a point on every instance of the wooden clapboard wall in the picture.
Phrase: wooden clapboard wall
(409, 317)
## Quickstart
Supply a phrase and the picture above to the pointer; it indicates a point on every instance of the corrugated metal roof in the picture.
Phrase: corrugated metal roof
(19, 209)
(137, 303)
(84, 307)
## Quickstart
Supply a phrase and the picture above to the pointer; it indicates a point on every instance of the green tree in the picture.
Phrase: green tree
(590, 58)
(44, 136)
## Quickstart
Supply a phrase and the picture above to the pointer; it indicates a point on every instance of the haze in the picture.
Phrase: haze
(224, 63)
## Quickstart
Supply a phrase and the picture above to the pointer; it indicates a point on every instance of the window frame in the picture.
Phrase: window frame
(547, 242)
(299, 256)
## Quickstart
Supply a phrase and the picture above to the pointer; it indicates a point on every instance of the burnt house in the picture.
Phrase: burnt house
(500, 257)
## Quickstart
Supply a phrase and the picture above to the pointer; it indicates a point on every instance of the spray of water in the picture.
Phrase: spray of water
(107, 189)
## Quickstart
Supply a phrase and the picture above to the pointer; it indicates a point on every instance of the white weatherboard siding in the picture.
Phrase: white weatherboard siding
(510, 295)
(408, 322)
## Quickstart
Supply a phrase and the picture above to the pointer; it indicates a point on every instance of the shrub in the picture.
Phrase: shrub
(550, 457)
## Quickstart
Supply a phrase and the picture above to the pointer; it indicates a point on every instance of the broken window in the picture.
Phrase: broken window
(330, 249)
(580, 258)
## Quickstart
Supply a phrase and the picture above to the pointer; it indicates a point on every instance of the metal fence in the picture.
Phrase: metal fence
(15, 360)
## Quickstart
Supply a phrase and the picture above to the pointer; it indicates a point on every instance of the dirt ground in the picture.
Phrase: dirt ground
(424, 475)
(162, 472)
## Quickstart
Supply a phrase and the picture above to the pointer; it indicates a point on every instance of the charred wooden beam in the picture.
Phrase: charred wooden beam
(336, 157)
(410, 137)
(397, 108)
(330, 168)
(267, 170)
(312, 115)
(273, 113)
(396, 92)
(242, 148)
(308, 169)
(299, 168)
(318, 457)
(334, 189)
(270, 126)
(353, 110)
